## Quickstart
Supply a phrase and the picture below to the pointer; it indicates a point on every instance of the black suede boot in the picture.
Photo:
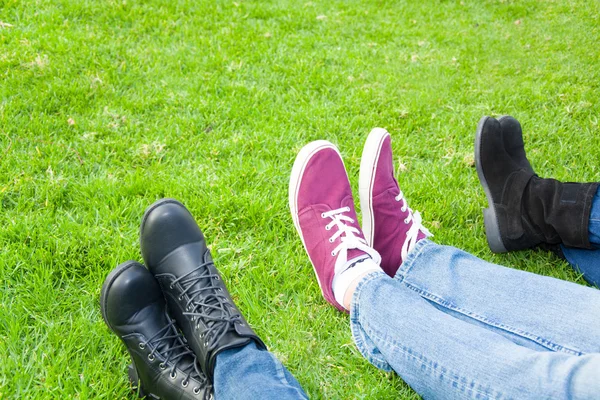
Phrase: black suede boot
(176, 253)
(525, 210)
(163, 366)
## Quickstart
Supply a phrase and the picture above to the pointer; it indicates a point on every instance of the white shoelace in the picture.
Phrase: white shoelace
(350, 240)
(413, 231)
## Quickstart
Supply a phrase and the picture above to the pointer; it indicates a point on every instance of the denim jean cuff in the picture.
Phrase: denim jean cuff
(364, 344)
(412, 257)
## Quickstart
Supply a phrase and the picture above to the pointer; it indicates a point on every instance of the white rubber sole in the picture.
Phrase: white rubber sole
(302, 159)
(366, 179)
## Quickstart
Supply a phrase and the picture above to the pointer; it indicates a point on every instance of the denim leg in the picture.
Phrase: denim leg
(249, 373)
(453, 326)
(587, 262)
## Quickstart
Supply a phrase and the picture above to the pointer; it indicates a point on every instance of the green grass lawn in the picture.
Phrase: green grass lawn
(108, 105)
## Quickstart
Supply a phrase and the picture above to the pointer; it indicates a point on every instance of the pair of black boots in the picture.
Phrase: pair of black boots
(175, 316)
(526, 211)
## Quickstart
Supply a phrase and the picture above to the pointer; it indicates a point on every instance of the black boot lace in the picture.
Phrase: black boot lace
(169, 344)
(208, 305)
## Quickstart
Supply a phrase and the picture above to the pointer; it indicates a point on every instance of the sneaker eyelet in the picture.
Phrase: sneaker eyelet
(347, 209)
(403, 209)
(162, 366)
(220, 289)
(173, 375)
(206, 342)
(180, 298)
(196, 390)
(406, 221)
(151, 357)
(184, 383)
(333, 253)
(322, 215)
(189, 308)
(327, 228)
(142, 346)
(217, 278)
(330, 240)
(171, 286)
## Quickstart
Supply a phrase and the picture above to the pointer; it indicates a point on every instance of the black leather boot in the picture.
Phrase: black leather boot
(176, 253)
(525, 210)
(163, 366)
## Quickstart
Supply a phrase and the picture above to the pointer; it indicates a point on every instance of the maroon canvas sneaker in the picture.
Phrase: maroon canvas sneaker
(389, 225)
(323, 211)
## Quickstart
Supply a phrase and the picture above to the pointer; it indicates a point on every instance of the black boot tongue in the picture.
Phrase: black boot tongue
(155, 325)
(151, 321)
(190, 264)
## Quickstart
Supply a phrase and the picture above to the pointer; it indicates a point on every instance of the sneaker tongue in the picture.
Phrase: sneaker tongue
(353, 253)
(349, 202)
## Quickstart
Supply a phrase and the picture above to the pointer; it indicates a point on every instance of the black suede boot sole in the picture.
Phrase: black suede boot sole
(490, 219)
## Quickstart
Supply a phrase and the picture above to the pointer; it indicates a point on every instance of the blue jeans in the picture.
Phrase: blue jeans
(248, 373)
(587, 262)
(454, 327)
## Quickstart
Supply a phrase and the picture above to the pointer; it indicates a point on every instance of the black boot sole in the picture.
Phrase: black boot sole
(136, 384)
(490, 219)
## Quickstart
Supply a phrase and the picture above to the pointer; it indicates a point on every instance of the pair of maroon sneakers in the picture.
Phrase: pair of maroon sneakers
(322, 207)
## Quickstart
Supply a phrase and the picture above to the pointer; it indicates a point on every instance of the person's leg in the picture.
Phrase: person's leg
(252, 373)
(454, 326)
(228, 351)
(525, 211)
(587, 262)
